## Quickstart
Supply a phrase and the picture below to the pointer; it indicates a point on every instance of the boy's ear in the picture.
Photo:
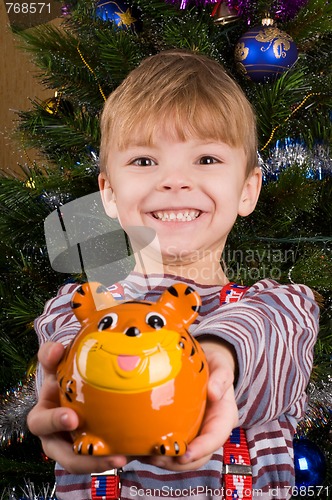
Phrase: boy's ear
(107, 196)
(250, 193)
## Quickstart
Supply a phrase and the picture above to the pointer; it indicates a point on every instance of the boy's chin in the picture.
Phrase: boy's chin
(177, 255)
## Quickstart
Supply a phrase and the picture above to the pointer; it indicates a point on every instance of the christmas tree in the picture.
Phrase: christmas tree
(288, 236)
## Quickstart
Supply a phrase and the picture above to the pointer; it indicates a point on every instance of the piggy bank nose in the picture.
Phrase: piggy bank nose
(133, 331)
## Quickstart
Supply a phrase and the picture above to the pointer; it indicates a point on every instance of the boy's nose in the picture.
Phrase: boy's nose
(175, 187)
(176, 181)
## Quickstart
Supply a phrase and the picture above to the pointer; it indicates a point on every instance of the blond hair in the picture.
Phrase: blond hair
(183, 94)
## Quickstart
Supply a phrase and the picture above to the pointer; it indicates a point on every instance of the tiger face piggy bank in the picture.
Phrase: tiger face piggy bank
(134, 375)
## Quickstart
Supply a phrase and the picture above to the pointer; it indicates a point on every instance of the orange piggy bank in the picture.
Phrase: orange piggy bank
(134, 375)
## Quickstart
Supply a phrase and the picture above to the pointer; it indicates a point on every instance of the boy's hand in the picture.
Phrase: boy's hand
(221, 415)
(52, 423)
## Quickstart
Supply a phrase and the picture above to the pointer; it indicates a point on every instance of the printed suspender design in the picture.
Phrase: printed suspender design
(237, 474)
(106, 486)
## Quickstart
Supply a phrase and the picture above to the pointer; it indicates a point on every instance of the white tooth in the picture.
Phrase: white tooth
(186, 215)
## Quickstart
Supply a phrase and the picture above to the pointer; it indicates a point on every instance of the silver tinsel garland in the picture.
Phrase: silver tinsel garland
(319, 411)
(317, 161)
(15, 405)
(29, 492)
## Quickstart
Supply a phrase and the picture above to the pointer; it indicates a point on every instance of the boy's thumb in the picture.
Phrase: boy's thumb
(214, 391)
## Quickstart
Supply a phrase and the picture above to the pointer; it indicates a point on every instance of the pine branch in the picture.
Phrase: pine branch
(320, 68)
(119, 53)
(14, 359)
(50, 45)
(156, 12)
(55, 52)
(22, 216)
(313, 21)
(274, 103)
(193, 31)
(59, 132)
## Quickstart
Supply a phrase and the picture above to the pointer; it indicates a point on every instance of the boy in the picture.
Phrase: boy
(178, 155)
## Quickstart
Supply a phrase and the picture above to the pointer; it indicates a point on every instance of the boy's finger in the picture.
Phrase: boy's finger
(49, 355)
(219, 381)
(205, 445)
(61, 451)
(214, 434)
(221, 419)
(43, 421)
(171, 463)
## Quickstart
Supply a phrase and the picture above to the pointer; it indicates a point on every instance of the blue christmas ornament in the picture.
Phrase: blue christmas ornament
(117, 12)
(265, 51)
(310, 463)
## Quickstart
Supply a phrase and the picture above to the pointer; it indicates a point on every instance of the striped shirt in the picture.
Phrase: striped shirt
(273, 330)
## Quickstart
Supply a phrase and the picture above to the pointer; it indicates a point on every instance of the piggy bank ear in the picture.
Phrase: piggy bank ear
(183, 300)
(91, 297)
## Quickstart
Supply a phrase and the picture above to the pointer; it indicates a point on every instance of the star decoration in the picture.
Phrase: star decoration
(126, 18)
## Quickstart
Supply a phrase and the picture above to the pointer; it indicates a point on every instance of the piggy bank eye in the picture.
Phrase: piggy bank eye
(108, 321)
(155, 320)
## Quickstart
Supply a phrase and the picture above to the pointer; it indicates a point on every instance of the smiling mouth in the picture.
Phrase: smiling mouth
(186, 215)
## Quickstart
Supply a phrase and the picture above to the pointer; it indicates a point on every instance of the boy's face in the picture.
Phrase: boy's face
(189, 192)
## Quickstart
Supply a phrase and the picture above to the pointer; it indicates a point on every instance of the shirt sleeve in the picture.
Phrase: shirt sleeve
(57, 323)
(273, 329)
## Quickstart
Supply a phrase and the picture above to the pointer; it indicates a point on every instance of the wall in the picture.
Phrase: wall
(17, 85)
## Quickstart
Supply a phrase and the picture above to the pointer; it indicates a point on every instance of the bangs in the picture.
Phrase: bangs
(178, 121)
(175, 124)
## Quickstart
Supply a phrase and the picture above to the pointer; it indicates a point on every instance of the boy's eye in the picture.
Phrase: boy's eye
(208, 160)
(143, 162)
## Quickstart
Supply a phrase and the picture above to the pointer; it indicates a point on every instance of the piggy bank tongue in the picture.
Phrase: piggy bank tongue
(128, 363)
